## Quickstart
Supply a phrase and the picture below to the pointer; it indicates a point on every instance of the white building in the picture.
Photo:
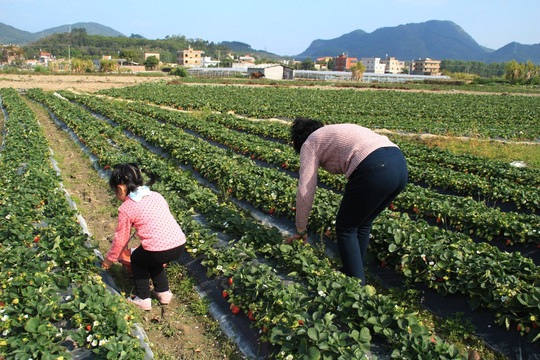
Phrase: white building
(272, 71)
(393, 66)
(246, 59)
(373, 65)
(207, 61)
(243, 66)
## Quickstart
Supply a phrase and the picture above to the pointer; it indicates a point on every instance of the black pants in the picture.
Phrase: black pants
(146, 265)
(370, 189)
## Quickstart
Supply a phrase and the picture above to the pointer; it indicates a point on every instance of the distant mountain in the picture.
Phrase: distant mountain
(11, 35)
(240, 47)
(432, 39)
(515, 51)
(237, 46)
(342, 44)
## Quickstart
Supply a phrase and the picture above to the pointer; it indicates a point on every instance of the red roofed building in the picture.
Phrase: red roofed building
(45, 57)
(343, 62)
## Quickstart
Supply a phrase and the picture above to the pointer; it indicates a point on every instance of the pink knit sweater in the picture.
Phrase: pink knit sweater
(153, 221)
(338, 149)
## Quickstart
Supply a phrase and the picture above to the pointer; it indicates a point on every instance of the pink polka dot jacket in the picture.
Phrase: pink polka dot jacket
(153, 222)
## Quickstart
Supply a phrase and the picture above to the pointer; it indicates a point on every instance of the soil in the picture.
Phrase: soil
(73, 82)
(174, 331)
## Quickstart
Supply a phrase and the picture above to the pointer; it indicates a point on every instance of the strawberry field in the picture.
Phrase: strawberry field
(464, 227)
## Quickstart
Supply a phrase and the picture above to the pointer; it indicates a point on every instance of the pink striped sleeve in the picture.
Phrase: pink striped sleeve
(307, 184)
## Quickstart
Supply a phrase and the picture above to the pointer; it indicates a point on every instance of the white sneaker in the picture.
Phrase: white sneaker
(145, 304)
(164, 297)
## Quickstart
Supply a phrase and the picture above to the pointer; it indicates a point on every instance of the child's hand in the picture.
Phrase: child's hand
(106, 264)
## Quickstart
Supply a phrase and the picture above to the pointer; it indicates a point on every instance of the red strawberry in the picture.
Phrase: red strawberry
(415, 209)
(225, 294)
(433, 340)
(328, 233)
(230, 281)
(392, 207)
(300, 322)
(272, 210)
(36, 239)
(235, 309)
(250, 315)
(2, 304)
(88, 327)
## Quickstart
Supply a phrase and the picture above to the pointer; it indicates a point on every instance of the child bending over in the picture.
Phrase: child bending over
(162, 239)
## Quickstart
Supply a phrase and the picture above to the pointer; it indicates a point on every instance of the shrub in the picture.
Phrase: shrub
(180, 71)
(40, 69)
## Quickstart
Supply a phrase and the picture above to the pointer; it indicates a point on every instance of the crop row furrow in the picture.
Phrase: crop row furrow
(51, 296)
(464, 214)
(184, 189)
(421, 252)
(437, 113)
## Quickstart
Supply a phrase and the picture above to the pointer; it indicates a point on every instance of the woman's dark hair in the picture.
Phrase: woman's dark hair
(301, 128)
(129, 175)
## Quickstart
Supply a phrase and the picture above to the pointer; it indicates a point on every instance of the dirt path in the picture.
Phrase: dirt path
(73, 82)
(175, 331)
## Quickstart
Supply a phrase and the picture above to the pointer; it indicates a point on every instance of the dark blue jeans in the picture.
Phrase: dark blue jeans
(371, 188)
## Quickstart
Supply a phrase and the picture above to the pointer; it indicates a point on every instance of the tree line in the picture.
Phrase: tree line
(78, 44)
(83, 47)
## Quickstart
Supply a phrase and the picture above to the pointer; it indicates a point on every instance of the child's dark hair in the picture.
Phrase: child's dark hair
(301, 128)
(129, 175)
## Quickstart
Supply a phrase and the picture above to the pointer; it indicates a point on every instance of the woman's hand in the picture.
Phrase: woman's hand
(106, 264)
(298, 237)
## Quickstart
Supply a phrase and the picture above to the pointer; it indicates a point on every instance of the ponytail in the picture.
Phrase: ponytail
(152, 178)
(130, 175)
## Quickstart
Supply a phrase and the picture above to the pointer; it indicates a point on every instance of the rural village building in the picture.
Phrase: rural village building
(148, 54)
(393, 66)
(373, 65)
(207, 61)
(189, 57)
(45, 57)
(272, 71)
(426, 66)
(343, 62)
(246, 59)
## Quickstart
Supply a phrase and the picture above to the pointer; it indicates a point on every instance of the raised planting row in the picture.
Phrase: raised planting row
(51, 296)
(463, 213)
(448, 262)
(508, 117)
(301, 303)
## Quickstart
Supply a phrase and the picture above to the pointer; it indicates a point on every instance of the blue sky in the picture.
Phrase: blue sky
(280, 26)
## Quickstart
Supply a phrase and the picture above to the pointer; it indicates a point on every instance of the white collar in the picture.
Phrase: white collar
(138, 194)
